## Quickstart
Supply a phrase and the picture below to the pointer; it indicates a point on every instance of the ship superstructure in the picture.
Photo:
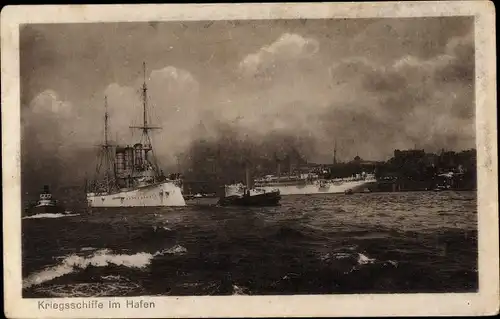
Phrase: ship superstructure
(129, 176)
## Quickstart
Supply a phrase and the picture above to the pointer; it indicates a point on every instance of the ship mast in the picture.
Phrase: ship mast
(145, 128)
(335, 153)
(106, 117)
(107, 147)
(106, 156)
(144, 102)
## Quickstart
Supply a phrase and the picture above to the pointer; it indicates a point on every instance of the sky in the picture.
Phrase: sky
(367, 85)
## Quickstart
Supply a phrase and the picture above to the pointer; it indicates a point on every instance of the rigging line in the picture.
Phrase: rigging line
(99, 165)
(151, 109)
(154, 110)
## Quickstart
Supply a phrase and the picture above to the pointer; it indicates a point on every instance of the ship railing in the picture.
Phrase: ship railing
(349, 179)
(277, 184)
(279, 179)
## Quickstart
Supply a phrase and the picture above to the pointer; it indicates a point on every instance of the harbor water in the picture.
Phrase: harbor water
(311, 244)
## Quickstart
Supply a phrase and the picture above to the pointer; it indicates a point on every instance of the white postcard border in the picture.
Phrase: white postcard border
(486, 301)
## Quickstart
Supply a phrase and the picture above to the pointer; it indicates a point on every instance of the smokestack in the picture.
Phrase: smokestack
(278, 165)
(178, 164)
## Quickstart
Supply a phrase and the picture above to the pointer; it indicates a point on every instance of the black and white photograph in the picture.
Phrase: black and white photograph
(249, 157)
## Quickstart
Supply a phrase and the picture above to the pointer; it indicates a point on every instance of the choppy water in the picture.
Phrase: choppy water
(363, 243)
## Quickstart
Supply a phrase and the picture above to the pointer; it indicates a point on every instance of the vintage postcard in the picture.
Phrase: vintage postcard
(250, 160)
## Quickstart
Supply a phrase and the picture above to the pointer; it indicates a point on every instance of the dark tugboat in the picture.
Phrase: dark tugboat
(240, 195)
(46, 204)
(243, 195)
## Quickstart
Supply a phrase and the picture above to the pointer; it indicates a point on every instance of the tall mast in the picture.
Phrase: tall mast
(106, 116)
(335, 153)
(144, 99)
(145, 128)
(107, 155)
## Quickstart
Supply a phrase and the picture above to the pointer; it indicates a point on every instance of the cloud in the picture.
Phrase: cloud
(421, 101)
(365, 106)
(172, 104)
(54, 142)
(277, 89)
(54, 123)
(170, 75)
(48, 102)
(289, 49)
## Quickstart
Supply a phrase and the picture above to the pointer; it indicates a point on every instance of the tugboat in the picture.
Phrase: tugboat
(243, 195)
(46, 204)
(240, 195)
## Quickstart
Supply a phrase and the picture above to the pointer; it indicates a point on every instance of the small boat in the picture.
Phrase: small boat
(46, 204)
(201, 199)
(439, 188)
(240, 195)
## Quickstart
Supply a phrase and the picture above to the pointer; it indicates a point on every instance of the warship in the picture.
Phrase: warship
(129, 176)
(313, 183)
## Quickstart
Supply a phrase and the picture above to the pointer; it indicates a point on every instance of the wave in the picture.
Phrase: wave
(47, 215)
(354, 261)
(112, 277)
(176, 250)
(335, 256)
(74, 262)
(393, 263)
(101, 258)
(347, 252)
(364, 260)
(360, 261)
(240, 291)
(158, 228)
